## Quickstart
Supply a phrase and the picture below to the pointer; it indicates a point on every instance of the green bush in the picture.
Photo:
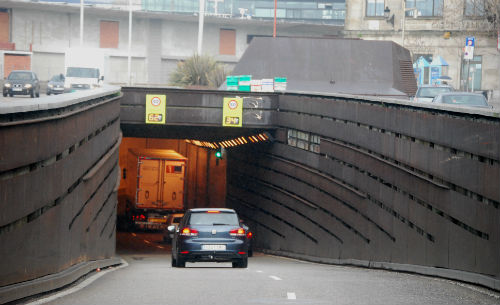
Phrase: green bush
(199, 70)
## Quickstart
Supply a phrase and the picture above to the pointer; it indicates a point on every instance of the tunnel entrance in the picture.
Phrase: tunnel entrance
(199, 176)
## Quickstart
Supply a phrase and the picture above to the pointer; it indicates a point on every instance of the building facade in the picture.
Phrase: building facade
(436, 31)
(35, 35)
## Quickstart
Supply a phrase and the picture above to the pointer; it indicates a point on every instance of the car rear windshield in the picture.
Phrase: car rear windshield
(432, 91)
(467, 100)
(20, 76)
(220, 218)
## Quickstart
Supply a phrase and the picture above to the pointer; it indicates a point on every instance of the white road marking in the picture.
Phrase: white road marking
(133, 234)
(259, 271)
(275, 278)
(147, 241)
(160, 247)
(291, 296)
(80, 286)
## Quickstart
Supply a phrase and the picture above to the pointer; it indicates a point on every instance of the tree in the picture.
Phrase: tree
(199, 70)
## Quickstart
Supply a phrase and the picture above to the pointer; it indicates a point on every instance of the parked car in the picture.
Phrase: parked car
(21, 82)
(210, 235)
(462, 99)
(172, 220)
(426, 93)
(56, 84)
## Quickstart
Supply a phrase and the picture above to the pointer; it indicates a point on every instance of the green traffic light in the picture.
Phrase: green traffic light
(218, 154)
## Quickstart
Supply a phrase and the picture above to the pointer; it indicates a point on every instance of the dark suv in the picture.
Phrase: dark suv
(21, 82)
(210, 235)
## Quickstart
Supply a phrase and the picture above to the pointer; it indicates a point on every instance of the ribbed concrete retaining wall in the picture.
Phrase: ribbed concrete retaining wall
(58, 181)
(376, 181)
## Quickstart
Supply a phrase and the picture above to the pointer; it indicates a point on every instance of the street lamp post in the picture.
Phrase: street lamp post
(81, 23)
(403, 20)
(274, 25)
(201, 17)
(129, 59)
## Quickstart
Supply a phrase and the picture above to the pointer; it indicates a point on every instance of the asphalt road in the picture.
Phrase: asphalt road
(20, 97)
(147, 278)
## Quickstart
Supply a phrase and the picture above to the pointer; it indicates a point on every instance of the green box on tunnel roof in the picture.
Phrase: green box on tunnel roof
(244, 82)
(232, 82)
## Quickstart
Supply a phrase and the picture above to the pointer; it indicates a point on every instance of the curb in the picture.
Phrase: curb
(53, 281)
(463, 276)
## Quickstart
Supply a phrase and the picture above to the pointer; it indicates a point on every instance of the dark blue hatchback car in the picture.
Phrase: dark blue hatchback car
(209, 235)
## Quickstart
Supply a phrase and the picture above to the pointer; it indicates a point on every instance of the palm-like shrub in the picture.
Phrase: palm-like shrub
(199, 70)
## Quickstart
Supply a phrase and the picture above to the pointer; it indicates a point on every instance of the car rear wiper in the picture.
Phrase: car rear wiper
(220, 224)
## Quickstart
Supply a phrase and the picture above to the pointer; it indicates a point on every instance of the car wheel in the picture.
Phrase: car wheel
(11, 95)
(180, 263)
(38, 93)
(243, 263)
(250, 253)
(32, 94)
(174, 262)
(48, 92)
(5, 94)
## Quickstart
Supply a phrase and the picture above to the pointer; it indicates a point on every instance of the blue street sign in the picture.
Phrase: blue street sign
(470, 41)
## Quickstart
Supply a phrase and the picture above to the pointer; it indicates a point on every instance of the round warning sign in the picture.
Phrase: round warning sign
(233, 104)
(156, 101)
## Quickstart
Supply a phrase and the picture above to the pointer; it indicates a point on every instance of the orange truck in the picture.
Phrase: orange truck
(156, 181)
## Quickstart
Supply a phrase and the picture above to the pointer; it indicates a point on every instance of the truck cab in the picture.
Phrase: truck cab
(84, 68)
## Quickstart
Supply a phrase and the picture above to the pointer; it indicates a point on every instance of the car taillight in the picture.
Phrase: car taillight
(249, 235)
(189, 232)
(237, 232)
(138, 217)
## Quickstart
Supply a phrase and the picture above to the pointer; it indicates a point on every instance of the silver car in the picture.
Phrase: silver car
(462, 99)
(426, 93)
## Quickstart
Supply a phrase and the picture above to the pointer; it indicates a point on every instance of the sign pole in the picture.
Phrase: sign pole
(468, 71)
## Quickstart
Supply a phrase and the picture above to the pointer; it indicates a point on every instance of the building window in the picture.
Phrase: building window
(304, 140)
(426, 8)
(4, 26)
(227, 42)
(471, 74)
(474, 8)
(109, 34)
(374, 8)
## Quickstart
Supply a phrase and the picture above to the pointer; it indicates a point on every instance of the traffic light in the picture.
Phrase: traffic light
(218, 153)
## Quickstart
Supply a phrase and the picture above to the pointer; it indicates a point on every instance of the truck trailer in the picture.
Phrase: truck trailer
(156, 181)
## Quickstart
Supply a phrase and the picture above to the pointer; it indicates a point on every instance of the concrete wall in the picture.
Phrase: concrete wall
(58, 187)
(391, 185)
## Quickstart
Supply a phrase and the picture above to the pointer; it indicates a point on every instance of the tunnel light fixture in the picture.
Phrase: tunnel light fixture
(243, 140)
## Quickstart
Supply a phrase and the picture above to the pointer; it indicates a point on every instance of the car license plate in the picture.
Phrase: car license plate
(17, 89)
(158, 220)
(213, 247)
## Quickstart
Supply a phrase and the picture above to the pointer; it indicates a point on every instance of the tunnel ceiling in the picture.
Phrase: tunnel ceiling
(201, 133)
